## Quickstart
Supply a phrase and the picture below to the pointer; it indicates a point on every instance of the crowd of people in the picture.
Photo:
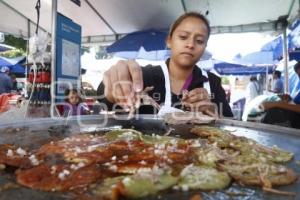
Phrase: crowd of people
(287, 110)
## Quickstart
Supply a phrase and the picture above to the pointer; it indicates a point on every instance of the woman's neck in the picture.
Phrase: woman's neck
(179, 73)
(178, 76)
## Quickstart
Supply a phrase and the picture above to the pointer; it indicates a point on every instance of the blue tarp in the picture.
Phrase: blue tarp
(150, 40)
(224, 68)
(258, 57)
(295, 55)
(13, 64)
(293, 40)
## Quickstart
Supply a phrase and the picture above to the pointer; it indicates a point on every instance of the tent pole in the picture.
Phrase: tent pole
(285, 60)
(183, 6)
(53, 55)
(267, 81)
(27, 53)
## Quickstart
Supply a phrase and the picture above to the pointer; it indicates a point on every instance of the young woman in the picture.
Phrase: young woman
(178, 82)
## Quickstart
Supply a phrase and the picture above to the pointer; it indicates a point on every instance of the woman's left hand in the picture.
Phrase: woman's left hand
(197, 100)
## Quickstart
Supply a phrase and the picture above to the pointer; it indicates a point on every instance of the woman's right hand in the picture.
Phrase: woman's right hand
(122, 81)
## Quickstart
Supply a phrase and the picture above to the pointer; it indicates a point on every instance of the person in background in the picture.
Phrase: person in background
(177, 82)
(14, 82)
(285, 112)
(252, 90)
(75, 105)
(277, 83)
(5, 81)
(296, 97)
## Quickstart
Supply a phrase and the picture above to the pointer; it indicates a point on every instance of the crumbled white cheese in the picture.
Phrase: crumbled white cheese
(91, 148)
(53, 170)
(129, 135)
(125, 157)
(158, 137)
(67, 172)
(114, 158)
(113, 168)
(142, 162)
(81, 164)
(78, 166)
(62, 175)
(158, 152)
(185, 188)
(215, 144)
(196, 143)
(34, 161)
(175, 187)
(107, 164)
(282, 169)
(78, 150)
(21, 152)
(173, 141)
(171, 148)
(10, 153)
(126, 180)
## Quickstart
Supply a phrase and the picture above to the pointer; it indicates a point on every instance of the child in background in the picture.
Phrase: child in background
(75, 104)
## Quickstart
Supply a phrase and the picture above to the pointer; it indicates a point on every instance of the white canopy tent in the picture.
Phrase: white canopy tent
(104, 21)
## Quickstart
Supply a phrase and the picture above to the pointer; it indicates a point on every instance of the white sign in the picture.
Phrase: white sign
(70, 58)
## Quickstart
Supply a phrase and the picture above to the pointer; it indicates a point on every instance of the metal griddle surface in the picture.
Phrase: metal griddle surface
(34, 133)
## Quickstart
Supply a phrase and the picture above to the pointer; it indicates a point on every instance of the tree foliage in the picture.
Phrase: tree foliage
(12, 53)
(18, 43)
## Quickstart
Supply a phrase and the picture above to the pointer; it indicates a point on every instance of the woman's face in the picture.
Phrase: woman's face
(73, 98)
(188, 42)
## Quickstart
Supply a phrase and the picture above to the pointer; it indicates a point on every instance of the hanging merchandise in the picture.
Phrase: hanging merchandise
(39, 73)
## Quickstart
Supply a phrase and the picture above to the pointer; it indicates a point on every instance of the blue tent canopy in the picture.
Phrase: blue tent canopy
(150, 40)
(224, 68)
(293, 40)
(295, 55)
(4, 62)
(13, 64)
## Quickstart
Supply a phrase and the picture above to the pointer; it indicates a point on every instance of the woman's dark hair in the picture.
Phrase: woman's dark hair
(278, 73)
(73, 91)
(297, 66)
(186, 15)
